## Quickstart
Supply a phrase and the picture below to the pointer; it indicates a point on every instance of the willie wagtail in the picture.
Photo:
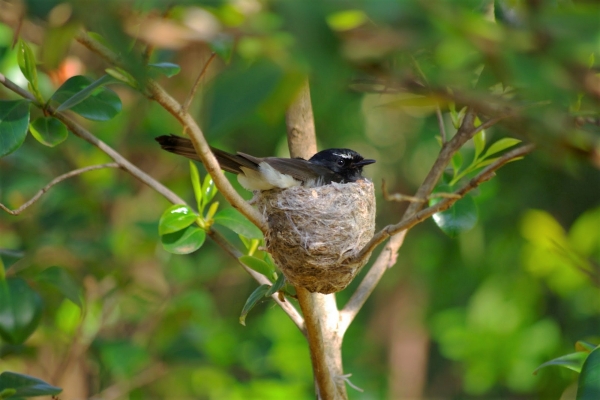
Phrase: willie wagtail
(255, 173)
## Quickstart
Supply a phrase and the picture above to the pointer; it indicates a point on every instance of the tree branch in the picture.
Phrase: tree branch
(398, 231)
(56, 180)
(157, 93)
(124, 164)
(320, 311)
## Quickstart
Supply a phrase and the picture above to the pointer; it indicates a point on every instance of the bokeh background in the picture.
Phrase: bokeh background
(469, 317)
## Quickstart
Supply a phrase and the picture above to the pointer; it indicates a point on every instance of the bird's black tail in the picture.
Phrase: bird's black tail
(184, 147)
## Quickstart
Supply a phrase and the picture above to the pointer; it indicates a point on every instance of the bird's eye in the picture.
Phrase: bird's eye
(341, 162)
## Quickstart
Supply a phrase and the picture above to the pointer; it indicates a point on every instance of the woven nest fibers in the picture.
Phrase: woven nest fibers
(314, 232)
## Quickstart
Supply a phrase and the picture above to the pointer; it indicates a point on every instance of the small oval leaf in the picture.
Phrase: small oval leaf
(166, 68)
(26, 386)
(258, 265)
(86, 92)
(176, 218)
(500, 145)
(461, 217)
(254, 298)
(48, 131)
(98, 104)
(184, 241)
(234, 220)
(20, 310)
(14, 120)
(26, 61)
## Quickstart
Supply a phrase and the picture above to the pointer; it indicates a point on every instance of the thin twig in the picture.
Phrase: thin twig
(188, 101)
(399, 197)
(157, 93)
(366, 287)
(56, 180)
(122, 162)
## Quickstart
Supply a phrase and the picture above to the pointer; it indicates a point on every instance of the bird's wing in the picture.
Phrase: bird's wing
(303, 170)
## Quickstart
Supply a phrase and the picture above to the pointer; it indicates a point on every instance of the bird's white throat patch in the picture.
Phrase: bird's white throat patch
(265, 178)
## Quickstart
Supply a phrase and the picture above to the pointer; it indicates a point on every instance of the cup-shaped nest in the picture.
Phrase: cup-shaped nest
(314, 233)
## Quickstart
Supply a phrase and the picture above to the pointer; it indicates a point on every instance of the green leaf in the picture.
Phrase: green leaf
(479, 141)
(20, 310)
(48, 131)
(573, 361)
(60, 279)
(14, 120)
(184, 241)
(195, 176)
(276, 287)
(26, 61)
(26, 386)
(254, 298)
(176, 218)
(258, 265)
(588, 387)
(86, 92)
(461, 217)
(234, 220)
(98, 104)
(457, 160)
(165, 68)
(122, 76)
(223, 45)
(500, 145)
(209, 190)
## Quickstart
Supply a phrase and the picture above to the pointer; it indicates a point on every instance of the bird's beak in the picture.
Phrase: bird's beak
(363, 163)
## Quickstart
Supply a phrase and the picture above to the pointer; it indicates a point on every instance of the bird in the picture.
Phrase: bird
(266, 173)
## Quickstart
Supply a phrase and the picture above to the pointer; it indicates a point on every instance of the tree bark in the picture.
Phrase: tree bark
(321, 316)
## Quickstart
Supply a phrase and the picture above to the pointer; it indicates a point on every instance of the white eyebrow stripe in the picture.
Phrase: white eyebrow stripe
(343, 155)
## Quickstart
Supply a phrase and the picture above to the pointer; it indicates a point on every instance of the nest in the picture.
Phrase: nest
(313, 233)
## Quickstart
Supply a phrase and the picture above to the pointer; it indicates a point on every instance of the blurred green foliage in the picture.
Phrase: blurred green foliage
(494, 303)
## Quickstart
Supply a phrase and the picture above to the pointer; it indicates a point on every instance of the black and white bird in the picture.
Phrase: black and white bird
(256, 173)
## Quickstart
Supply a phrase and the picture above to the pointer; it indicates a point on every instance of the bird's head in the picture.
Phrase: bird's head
(344, 162)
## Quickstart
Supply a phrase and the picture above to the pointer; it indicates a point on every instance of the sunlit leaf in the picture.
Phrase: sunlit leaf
(184, 241)
(20, 310)
(209, 190)
(459, 218)
(479, 141)
(26, 386)
(588, 387)
(198, 193)
(258, 265)
(99, 104)
(165, 68)
(500, 145)
(176, 218)
(26, 61)
(346, 20)
(234, 220)
(14, 121)
(62, 281)
(256, 296)
(49, 131)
